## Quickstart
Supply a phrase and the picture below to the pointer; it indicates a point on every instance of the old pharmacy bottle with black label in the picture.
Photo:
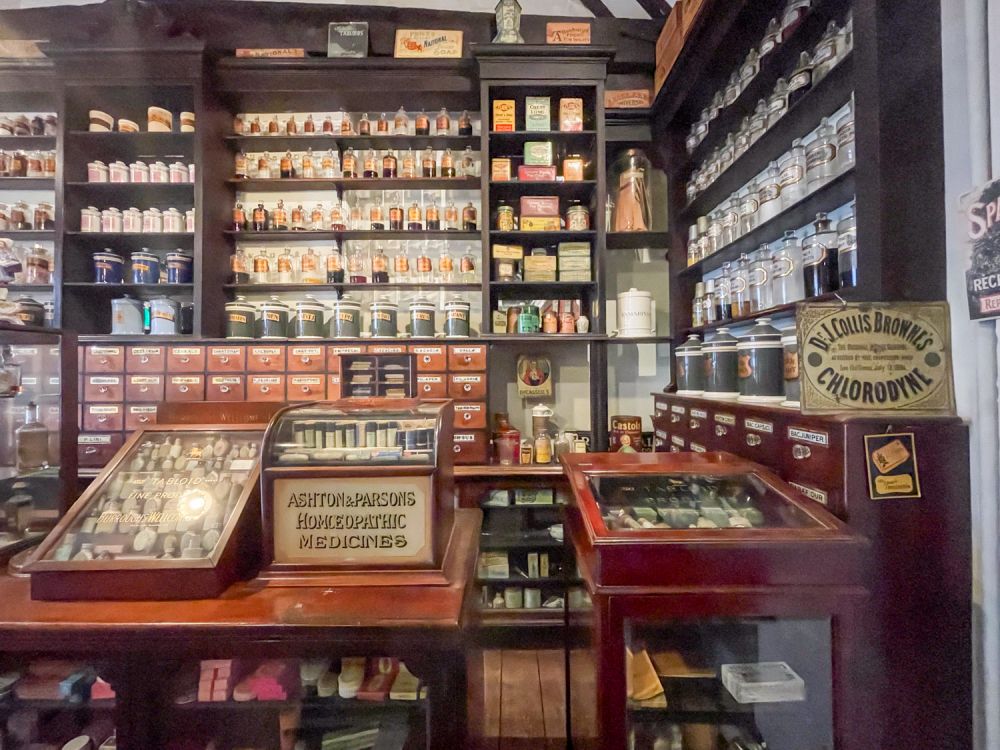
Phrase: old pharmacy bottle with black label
(819, 258)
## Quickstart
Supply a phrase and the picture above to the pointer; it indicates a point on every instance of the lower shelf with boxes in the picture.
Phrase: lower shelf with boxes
(122, 383)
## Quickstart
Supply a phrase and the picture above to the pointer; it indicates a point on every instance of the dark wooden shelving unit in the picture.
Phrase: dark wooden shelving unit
(28, 235)
(27, 183)
(29, 142)
(348, 234)
(575, 189)
(636, 240)
(360, 183)
(777, 311)
(430, 286)
(285, 142)
(562, 235)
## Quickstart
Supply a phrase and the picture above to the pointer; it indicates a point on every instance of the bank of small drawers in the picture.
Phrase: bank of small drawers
(121, 384)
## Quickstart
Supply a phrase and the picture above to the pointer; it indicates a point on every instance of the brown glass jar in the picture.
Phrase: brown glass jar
(389, 165)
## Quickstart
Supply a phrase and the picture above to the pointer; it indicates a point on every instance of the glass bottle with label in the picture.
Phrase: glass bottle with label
(238, 267)
(309, 268)
(749, 207)
(376, 213)
(414, 220)
(338, 222)
(401, 123)
(467, 266)
(286, 171)
(793, 175)
(425, 267)
(704, 241)
(355, 218)
(760, 280)
(825, 55)
(819, 258)
(242, 170)
(397, 222)
(382, 125)
(845, 140)
(708, 303)
(847, 250)
(273, 126)
(346, 124)
(739, 288)
(698, 306)
(335, 266)
(451, 217)
(750, 68)
(470, 218)
(364, 125)
(370, 165)
(380, 266)
(447, 163)
(432, 216)
(316, 218)
(821, 156)
(446, 264)
(261, 268)
(727, 153)
(408, 166)
(693, 246)
(239, 218)
(464, 124)
(422, 124)
(786, 277)
(733, 88)
(279, 217)
(428, 163)
(469, 163)
(328, 125)
(284, 263)
(260, 218)
(730, 222)
(357, 265)
(400, 263)
(389, 165)
(758, 121)
(442, 123)
(769, 194)
(330, 164)
(795, 12)
(350, 164)
(714, 231)
(777, 102)
(772, 37)
(801, 80)
(723, 296)
(298, 220)
(32, 441)
(741, 142)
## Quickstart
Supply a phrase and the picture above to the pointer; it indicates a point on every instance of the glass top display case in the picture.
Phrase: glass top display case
(37, 443)
(164, 520)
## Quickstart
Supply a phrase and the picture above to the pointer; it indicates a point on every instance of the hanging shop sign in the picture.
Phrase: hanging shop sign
(567, 33)
(627, 99)
(982, 280)
(892, 466)
(348, 39)
(876, 358)
(427, 43)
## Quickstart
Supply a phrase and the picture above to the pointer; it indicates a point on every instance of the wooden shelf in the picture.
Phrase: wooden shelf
(361, 183)
(430, 286)
(520, 289)
(100, 237)
(355, 234)
(28, 288)
(28, 234)
(529, 582)
(323, 142)
(491, 471)
(544, 237)
(9, 142)
(542, 135)
(576, 189)
(27, 183)
(832, 195)
(777, 311)
(636, 240)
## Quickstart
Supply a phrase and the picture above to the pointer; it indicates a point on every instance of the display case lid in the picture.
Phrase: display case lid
(382, 432)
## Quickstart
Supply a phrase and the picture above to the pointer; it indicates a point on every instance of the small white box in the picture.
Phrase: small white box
(763, 682)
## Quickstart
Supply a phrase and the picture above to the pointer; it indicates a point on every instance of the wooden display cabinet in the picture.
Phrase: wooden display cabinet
(698, 561)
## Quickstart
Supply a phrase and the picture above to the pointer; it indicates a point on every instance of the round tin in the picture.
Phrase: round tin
(90, 219)
(719, 354)
(180, 268)
(100, 122)
(97, 171)
(422, 318)
(111, 220)
(145, 268)
(635, 313)
(626, 434)
(577, 218)
(118, 172)
(528, 320)
(132, 220)
(159, 172)
(109, 268)
(690, 367)
(383, 318)
(790, 359)
(164, 316)
(138, 171)
(761, 364)
(241, 317)
(309, 314)
(456, 318)
(272, 321)
(31, 312)
(345, 323)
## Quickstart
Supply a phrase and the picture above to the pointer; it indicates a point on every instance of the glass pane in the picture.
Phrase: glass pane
(740, 684)
(172, 497)
(689, 501)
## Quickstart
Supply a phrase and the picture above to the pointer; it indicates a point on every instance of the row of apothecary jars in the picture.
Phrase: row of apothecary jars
(359, 263)
(140, 172)
(27, 163)
(343, 123)
(310, 318)
(132, 220)
(20, 124)
(761, 366)
(377, 212)
(809, 70)
(23, 265)
(366, 164)
(802, 170)
(21, 216)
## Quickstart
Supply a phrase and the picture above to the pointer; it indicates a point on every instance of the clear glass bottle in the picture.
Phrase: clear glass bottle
(793, 175)
(346, 124)
(376, 213)
(465, 123)
(432, 216)
(714, 231)
(825, 55)
(733, 88)
(364, 125)
(742, 140)
(801, 79)
(758, 121)
(357, 263)
(448, 163)
(279, 217)
(708, 303)
(380, 265)
(847, 250)
(723, 295)
(467, 267)
(316, 218)
(414, 218)
(821, 156)
(309, 268)
(264, 166)
(727, 153)
(350, 164)
(469, 163)
(330, 164)
(750, 68)
(242, 170)
(698, 305)
(451, 220)
(543, 447)
(298, 219)
(716, 105)
(704, 240)
(845, 140)
(795, 12)
(739, 288)
(370, 165)
(397, 217)
(446, 264)
(730, 221)
(401, 122)
(769, 194)
(335, 266)
(786, 271)
(425, 266)
(819, 258)
(382, 126)
(401, 263)
(442, 123)
(422, 124)
(408, 166)
(777, 102)
(760, 280)
(338, 222)
(32, 441)
(286, 274)
(771, 39)
(390, 165)
(261, 268)
(428, 163)
(749, 207)
(693, 246)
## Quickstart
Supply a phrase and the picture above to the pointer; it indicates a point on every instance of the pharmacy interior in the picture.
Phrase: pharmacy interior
(347, 348)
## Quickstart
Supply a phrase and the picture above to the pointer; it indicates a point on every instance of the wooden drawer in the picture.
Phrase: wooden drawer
(726, 434)
(226, 359)
(432, 385)
(467, 386)
(470, 416)
(190, 387)
(761, 437)
(306, 358)
(265, 359)
(335, 351)
(385, 349)
(470, 447)
(333, 386)
(310, 387)
(661, 438)
(430, 358)
(230, 387)
(104, 358)
(97, 417)
(699, 425)
(186, 359)
(96, 449)
(138, 416)
(146, 387)
(265, 387)
(103, 388)
(145, 358)
(471, 357)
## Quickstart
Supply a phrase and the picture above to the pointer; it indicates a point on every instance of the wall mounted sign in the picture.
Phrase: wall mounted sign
(982, 280)
(627, 99)
(383, 521)
(567, 33)
(271, 52)
(892, 466)
(892, 357)
(534, 376)
(348, 39)
(428, 43)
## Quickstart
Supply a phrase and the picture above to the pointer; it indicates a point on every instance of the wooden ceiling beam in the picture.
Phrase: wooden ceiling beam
(655, 8)
(599, 9)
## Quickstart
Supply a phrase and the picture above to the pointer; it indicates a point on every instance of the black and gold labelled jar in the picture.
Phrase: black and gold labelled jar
(719, 354)
(272, 321)
(383, 318)
(309, 314)
(241, 317)
(690, 367)
(790, 357)
(422, 318)
(760, 368)
(456, 321)
(345, 322)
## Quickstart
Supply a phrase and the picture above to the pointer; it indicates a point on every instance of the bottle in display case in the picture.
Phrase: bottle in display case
(629, 185)
(847, 250)
(819, 258)
(787, 283)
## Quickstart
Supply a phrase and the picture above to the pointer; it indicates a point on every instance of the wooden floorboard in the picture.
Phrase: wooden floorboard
(520, 700)
(551, 675)
(583, 693)
(491, 689)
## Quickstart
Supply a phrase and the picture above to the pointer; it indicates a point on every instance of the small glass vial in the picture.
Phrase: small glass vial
(335, 266)
(364, 125)
(370, 165)
(422, 124)
(739, 288)
(704, 240)
(389, 165)
(447, 163)
(786, 271)
(238, 268)
(428, 163)
(380, 266)
(793, 175)
(769, 194)
(432, 217)
(760, 280)
(291, 126)
(356, 219)
(847, 250)
(821, 156)
(733, 88)
(414, 221)
(350, 164)
(401, 123)
(408, 169)
(714, 231)
(442, 123)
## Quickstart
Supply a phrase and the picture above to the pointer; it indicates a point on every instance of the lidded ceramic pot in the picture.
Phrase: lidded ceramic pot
(719, 354)
(760, 369)
(690, 367)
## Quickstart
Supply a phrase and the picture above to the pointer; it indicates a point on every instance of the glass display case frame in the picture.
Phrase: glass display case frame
(426, 565)
(234, 555)
(66, 448)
